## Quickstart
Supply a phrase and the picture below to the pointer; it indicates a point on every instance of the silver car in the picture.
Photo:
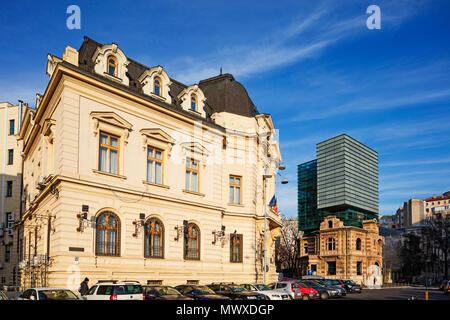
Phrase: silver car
(41, 294)
(271, 294)
(289, 287)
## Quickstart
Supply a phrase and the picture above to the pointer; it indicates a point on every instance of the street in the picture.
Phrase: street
(397, 294)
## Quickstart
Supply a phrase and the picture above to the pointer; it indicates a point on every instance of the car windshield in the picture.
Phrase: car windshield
(261, 287)
(203, 290)
(127, 289)
(164, 291)
(349, 282)
(312, 285)
(271, 286)
(332, 282)
(237, 288)
(57, 295)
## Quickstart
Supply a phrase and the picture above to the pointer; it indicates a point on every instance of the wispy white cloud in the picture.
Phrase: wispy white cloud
(306, 36)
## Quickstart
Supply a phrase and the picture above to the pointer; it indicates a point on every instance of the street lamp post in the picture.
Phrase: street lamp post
(266, 176)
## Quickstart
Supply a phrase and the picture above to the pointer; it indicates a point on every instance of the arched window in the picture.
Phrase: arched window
(380, 247)
(358, 244)
(194, 102)
(331, 244)
(192, 242)
(112, 66)
(154, 239)
(330, 224)
(107, 240)
(157, 86)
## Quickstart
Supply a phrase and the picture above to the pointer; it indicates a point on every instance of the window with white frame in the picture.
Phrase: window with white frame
(154, 165)
(192, 175)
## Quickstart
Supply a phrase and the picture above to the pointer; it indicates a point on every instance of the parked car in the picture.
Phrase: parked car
(334, 283)
(41, 294)
(351, 286)
(3, 296)
(307, 291)
(443, 284)
(404, 280)
(270, 294)
(236, 292)
(116, 290)
(290, 287)
(447, 288)
(158, 292)
(324, 291)
(198, 292)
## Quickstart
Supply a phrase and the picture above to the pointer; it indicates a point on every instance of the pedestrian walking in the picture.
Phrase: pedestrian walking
(84, 288)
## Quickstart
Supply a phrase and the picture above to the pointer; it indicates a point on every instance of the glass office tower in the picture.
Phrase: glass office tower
(343, 181)
(308, 216)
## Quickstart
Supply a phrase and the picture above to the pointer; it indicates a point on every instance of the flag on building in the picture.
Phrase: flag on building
(273, 204)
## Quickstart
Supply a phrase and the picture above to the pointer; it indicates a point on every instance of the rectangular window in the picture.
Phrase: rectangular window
(192, 175)
(154, 165)
(235, 189)
(9, 185)
(10, 156)
(314, 268)
(7, 253)
(359, 268)
(108, 153)
(332, 268)
(235, 247)
(305, 248)
(11, 127)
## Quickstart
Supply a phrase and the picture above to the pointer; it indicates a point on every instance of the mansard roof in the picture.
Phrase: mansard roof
(223, 93)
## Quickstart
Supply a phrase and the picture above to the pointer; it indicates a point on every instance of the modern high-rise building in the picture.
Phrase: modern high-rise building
(338, 212)
(342, 181)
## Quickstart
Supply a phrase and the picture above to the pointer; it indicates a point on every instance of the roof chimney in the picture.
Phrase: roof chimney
(71, 55)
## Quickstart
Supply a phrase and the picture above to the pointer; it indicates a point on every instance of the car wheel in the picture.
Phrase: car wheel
(324, 296)
(305, 297)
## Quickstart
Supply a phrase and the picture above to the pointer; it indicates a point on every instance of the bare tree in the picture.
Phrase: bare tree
(436, 241)
(288, 247)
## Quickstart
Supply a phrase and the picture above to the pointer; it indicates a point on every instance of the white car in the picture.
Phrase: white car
(271, 294)
(115, 290)
(41, 294)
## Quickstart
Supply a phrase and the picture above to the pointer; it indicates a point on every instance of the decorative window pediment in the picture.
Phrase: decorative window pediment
(102, 57)
(111, 121)
(158, 138)
(155, 82)
(195, 150)
(193, 94)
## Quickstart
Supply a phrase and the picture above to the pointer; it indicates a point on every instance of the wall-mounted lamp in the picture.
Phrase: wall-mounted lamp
(219, 235)
(82, 221)
(180, 230)
(139, 224)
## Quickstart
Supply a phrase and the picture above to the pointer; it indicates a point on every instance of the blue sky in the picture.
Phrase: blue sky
(313, 65)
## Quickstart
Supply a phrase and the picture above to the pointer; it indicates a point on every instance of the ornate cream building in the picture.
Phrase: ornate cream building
(11, 178)
(130, 174)
(343, 252)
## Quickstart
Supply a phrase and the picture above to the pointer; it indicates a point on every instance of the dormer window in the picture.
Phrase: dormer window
(157, 86)
(193, 102)
(112, 66)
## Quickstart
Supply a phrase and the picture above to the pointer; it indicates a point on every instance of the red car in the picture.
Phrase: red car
(307, 292)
